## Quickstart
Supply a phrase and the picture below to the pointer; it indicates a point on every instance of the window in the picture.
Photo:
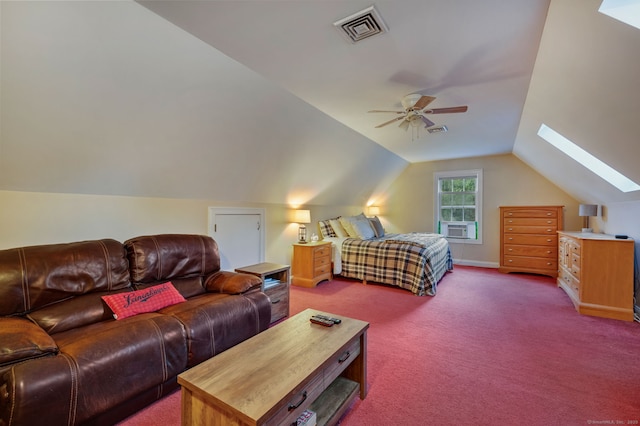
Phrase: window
(459, 205)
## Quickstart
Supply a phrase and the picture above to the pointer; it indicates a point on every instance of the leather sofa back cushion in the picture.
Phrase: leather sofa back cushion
(21, 340)
(150, 299)
(165, 257)
(73, 313)
(38, 276)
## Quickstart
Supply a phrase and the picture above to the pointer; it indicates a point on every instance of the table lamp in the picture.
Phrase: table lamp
(587, 210)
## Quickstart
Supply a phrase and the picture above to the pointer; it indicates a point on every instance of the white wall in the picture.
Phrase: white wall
(33, 218)
(507, 181)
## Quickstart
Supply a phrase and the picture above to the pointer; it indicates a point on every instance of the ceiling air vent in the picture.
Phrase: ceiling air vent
(361, 25)
(439, 129)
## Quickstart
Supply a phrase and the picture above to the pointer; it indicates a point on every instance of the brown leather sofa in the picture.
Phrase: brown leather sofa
(65, 360)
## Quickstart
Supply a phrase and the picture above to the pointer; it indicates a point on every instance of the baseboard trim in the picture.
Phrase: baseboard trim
(477, 263)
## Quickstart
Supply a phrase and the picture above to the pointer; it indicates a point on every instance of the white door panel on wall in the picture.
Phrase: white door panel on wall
(239, 234)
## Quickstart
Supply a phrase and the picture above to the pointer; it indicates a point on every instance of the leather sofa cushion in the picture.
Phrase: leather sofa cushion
(38, 276)
(99, 367)
(73, 313)
(163, 257)
(215, 322)
(21, 340)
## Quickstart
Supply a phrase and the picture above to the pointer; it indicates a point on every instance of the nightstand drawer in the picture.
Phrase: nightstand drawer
(324, 250)
(319, 262)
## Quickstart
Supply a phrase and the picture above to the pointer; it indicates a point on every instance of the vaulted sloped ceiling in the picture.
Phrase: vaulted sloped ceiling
(264, 101)
(586, 86)
(109, 98)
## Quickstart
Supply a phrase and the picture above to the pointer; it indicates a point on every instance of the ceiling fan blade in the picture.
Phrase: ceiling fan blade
(427, 122)
(389, 122)
(380, 110)
(423, 102)
(446, 110)
(404, 125)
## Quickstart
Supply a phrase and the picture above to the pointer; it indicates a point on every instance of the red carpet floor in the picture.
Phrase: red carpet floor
(488, 349)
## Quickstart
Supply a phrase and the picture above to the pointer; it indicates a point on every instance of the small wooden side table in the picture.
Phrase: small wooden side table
(275, 283)
(311, 263)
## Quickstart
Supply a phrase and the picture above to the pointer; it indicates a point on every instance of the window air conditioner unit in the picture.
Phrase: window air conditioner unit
(457, 231)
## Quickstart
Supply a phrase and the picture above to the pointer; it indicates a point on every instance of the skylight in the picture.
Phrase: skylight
(627, 11)
(606, 172)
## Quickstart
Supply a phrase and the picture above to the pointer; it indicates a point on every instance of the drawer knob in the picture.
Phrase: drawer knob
(510, 238)
(549, 240)
(510, 229)
(510, 260)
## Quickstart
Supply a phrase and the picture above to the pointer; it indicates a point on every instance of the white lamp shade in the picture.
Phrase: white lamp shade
(302, 216)
(374, 210)
(588, 210)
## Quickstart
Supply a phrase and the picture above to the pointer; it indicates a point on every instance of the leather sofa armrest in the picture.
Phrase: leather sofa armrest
(21, 339)
(232, 283)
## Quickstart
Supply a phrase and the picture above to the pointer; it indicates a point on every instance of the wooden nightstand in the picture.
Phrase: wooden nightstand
(275, 283)
(311, 263)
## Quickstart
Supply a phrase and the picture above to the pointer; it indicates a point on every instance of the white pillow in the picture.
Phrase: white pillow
(337, 228)
(346, 222)
(363, 229)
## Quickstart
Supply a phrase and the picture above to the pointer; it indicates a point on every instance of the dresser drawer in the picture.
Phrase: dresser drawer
(531, 222)
(521, 229)
(570, 281)
(532, 251)
(534, 240)
(530, 262)
(530, 213)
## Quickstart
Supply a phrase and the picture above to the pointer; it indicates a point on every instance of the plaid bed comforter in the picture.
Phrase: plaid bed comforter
(414, 261)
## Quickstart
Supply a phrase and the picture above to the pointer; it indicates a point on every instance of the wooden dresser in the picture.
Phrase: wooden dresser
(529, 239)
(311, 263)
(596, 271)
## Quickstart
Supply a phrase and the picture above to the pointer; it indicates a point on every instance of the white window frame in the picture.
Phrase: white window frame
(477, 173)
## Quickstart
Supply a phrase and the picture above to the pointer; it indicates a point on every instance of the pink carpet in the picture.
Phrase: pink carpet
(489, 349)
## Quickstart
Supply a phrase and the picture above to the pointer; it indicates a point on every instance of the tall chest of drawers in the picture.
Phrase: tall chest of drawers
(311, 263)
(529, 239)
(596, 271)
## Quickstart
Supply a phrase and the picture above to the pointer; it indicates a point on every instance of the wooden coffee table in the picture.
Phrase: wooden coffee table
(273, 377)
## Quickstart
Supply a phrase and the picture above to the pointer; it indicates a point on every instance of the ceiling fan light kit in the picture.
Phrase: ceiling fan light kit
(415, 107)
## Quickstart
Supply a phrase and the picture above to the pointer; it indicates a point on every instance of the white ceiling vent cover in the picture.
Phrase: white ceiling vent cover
(361, 25)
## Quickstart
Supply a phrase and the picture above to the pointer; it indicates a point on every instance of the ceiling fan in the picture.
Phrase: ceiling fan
(415, 108)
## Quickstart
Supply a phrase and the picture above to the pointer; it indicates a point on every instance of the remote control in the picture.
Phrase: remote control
(333, 320)
(321, 321)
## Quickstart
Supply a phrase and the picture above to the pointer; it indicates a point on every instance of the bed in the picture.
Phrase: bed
(414, 261)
